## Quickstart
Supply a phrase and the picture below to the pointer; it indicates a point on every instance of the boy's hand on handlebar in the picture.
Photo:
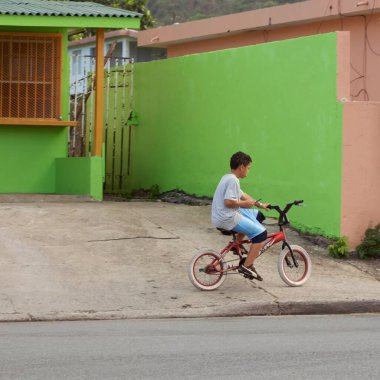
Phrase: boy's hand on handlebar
(265, 206)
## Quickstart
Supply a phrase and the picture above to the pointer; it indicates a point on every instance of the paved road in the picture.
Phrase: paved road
(317, 347)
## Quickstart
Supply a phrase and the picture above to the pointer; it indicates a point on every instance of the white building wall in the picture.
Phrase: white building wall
(82, 61)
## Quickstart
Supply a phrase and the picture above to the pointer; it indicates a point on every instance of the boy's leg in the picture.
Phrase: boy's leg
(253, 215)
(247, 268)
(251, 227)
(254, 230)
(253, 253)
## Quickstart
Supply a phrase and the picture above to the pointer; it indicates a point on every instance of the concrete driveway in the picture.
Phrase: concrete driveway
(62, 258)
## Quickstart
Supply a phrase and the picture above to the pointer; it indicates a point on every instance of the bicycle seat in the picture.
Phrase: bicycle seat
(226, 232)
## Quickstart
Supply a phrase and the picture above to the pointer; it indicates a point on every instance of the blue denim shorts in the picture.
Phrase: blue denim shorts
(249, 225)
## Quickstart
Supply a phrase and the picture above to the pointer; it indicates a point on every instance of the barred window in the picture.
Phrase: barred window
(30, 75)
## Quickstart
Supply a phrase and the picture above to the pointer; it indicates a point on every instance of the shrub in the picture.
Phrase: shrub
(339, 249)
(370, 246)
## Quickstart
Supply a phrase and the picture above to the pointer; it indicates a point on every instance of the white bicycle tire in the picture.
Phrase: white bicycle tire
(195, 280)
(282, 262)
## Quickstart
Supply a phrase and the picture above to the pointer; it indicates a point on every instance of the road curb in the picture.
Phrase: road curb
(237, 310)
(331, 307)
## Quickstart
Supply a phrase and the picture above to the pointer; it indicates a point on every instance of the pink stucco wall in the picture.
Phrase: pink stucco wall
(361, 169)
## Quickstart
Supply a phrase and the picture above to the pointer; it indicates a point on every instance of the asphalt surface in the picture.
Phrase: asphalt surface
(64, 258)
(287, 347)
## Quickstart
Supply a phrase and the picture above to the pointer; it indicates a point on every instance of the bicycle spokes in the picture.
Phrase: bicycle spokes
(207, 270)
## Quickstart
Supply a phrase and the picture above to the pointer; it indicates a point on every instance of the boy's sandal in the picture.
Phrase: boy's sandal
(253, 269)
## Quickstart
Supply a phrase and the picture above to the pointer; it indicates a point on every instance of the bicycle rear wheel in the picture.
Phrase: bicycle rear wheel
(294, 271)
(206, 270)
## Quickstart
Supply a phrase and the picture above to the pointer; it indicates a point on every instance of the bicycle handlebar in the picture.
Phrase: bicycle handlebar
(287, 207)
(283, 219)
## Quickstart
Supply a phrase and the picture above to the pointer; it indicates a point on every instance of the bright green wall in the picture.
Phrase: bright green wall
(80, 176)
(27, 158)
(275, 101)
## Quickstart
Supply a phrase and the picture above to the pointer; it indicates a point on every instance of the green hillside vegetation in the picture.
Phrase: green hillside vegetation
(166, 12)
(171, 11)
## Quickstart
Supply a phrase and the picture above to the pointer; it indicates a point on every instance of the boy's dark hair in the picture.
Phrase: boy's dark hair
(239, 158)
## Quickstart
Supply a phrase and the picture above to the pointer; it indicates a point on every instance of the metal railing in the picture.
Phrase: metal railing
(118, 104)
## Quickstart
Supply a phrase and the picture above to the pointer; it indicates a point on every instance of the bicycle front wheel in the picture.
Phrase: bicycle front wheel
(207, 270)
(294, 269)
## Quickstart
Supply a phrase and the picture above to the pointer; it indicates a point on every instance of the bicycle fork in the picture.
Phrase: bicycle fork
(285, 244)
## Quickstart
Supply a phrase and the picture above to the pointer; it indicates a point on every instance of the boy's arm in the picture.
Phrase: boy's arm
(241, 203)
(245, 201)
(256, 203)
(246, 197)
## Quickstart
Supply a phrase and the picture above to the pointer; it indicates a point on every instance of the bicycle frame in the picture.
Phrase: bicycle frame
(289, 257)
(238, 248)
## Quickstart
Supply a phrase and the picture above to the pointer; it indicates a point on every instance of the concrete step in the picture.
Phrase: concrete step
(33, 198)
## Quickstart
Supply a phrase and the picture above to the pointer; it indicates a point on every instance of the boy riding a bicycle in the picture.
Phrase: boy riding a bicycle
(232, 210)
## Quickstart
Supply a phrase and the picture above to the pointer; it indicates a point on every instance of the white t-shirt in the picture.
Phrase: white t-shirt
(222, 216)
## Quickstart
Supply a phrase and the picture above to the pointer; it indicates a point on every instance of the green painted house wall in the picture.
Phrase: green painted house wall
(28, 153)
(275, 101)
(34, 159)
(27, 157)
(80, 175)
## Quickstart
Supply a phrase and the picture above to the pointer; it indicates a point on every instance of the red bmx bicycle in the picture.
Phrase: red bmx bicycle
(208, 269)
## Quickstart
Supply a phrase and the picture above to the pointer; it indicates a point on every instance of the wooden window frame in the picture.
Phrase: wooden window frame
(29, 74)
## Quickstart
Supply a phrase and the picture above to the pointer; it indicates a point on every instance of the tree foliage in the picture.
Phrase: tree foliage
(139, 6)
(165, 12)
(171, 11)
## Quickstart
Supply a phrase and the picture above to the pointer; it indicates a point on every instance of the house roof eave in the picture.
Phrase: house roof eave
(70, 22)
(260, 19)
(62, 8)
